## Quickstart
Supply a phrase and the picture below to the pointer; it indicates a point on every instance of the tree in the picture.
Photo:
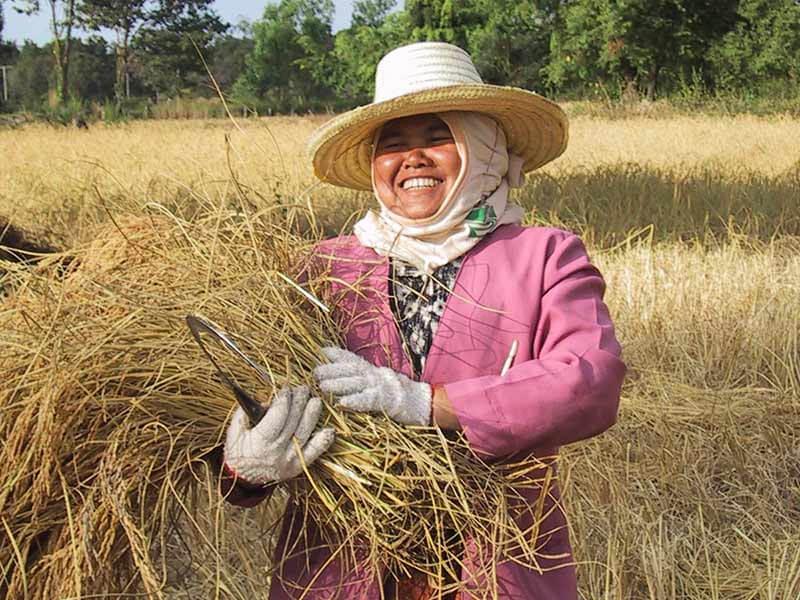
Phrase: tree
(371, 13)
(229, 55)
(157, 28)
(635, 42)
(289, 67)
(62, 20)
(8, 56)
(168, 44)
(30, 78)
(444, 20)
(123, 17)
(763, 46)
(92, 69)
(512, 45)
(358, 49)
(8, 51)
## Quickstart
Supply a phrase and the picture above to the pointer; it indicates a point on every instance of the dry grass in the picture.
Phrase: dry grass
(108, 415)
(695, 493)
(57, 177)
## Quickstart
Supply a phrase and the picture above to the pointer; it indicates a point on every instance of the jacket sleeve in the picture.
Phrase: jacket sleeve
(242, 493)
(571, 390)
(235, 490)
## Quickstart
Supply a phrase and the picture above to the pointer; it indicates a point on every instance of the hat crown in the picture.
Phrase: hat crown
(423, 66)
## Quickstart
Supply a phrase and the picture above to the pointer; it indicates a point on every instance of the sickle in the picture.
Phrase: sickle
(253, 409)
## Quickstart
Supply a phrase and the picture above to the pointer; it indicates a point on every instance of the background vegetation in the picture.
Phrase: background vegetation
(731, 55)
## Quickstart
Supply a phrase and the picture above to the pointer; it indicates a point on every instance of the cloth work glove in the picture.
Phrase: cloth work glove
(266, 453)
(363, 387)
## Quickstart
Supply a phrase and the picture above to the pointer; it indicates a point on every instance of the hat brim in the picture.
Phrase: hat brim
(536, 128)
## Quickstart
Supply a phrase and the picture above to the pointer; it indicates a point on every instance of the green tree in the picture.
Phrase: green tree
(29, 80)
(635, 43)
(512, 45)
(358, 49)
(159, 30)
(229, 55)
(168, 44)
(9, 54)
(763, 46)
(63, 19)
(444, 20)
(123, 17)
(288, 68)
(92, 69)
(371, 13)
(8, 50)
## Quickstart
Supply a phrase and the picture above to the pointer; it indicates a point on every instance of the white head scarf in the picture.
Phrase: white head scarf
(475, 206)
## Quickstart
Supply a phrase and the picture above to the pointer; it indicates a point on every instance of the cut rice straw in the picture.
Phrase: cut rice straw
(110, 414)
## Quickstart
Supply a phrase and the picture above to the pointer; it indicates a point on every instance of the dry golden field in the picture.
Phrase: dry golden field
(613, 176)
(695, 224)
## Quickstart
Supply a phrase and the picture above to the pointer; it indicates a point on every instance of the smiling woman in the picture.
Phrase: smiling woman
(414, 165)
(453, 316)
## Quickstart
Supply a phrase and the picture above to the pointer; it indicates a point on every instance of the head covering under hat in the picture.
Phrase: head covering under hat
(435, 77)
(475, 206)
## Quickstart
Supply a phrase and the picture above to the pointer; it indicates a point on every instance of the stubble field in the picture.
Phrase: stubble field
(695, 225)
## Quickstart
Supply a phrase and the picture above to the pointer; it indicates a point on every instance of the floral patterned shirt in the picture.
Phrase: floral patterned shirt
(418, 302)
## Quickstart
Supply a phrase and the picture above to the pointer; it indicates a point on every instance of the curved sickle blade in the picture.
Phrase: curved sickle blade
(201, 329)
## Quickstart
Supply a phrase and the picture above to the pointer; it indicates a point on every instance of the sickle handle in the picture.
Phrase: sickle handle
(253, 409)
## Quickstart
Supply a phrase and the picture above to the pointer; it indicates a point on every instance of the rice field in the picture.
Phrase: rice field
(695, 224)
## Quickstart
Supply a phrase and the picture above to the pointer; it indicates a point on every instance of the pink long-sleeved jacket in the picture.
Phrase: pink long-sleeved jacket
(534, 285)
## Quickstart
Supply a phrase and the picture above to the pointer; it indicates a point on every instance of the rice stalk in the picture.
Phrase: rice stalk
(111, 417)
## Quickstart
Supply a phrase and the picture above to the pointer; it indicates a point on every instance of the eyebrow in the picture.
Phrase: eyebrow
(436, 128)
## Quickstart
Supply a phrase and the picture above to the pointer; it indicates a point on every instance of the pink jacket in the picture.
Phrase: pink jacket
(564, 385)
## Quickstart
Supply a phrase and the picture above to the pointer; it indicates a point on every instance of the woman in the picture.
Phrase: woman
(463, 318)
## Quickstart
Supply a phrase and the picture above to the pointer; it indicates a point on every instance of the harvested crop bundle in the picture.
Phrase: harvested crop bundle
(110, 411)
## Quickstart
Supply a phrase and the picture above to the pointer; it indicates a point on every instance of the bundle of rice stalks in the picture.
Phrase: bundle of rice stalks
(20, 245)
(110, 412)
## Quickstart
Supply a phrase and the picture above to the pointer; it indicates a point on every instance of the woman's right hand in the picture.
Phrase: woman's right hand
(267, 453)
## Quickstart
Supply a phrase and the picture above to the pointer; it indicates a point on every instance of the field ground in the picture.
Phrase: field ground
(695, 224)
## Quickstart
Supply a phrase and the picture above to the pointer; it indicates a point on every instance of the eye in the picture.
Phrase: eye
(441, 137)
(390, 145)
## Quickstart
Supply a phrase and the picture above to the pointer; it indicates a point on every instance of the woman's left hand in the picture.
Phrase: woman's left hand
(363, 387)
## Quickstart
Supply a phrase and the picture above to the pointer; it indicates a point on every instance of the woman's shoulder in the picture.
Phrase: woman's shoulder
(519, 238)
(545, 254)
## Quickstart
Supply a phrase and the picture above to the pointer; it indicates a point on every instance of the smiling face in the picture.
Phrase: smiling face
(415, 164)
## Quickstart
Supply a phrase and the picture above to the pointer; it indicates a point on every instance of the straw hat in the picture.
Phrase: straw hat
(430, 77)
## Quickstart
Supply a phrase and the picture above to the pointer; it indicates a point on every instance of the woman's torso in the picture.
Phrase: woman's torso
(495, 302)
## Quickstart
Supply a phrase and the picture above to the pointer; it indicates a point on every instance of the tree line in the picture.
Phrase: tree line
(291, 60)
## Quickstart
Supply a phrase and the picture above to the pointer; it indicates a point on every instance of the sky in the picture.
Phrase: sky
(36, 27)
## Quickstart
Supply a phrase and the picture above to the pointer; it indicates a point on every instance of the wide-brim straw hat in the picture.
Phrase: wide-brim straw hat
(435, 77)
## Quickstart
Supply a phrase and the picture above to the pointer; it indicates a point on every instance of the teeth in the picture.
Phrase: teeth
(420, 182)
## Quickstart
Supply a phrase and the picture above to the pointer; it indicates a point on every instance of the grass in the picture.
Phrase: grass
(62, 178)
(695, 493)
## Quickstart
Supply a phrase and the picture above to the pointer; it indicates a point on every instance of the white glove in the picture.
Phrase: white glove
(266, 453)
(363, 387)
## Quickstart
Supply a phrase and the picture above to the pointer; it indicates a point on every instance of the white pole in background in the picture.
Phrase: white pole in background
(5, 69)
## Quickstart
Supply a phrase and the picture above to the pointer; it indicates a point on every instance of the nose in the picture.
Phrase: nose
(417, 157)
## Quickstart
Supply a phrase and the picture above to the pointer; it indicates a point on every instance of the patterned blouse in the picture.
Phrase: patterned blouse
(418, 302)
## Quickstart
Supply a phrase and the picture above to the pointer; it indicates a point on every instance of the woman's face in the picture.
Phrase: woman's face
(415, 164)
